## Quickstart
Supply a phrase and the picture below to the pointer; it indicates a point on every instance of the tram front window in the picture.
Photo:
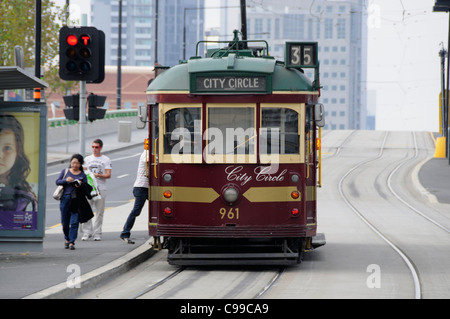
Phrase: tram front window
(231, 130)
(280, 131)
(183, 131)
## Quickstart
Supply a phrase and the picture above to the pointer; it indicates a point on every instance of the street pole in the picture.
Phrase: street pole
(38, 22)
(442, 54)
(184, 34)
(244, 22)
(67, 11)
(82, 103)
(119, 60)
(446, 115)
(82, 120)
(156, 30)
(444, 6)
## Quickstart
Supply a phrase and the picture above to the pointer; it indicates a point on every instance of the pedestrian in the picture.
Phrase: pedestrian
(140, 192)
(100, 165)
(73, 201)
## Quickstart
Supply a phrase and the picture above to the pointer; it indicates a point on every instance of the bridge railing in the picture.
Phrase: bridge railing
(113, 114)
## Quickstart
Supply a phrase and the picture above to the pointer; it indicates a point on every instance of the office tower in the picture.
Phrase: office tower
(340, 29)
(138, 29)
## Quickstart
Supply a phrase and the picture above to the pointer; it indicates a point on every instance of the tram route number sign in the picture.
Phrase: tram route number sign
(301, 55)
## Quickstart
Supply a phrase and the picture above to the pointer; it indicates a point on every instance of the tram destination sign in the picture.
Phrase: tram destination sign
(230, 84)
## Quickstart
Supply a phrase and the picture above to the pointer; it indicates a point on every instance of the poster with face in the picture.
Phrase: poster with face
(19, 169)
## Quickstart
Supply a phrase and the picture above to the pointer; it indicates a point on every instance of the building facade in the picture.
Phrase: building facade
(340, 29)
(138, 30)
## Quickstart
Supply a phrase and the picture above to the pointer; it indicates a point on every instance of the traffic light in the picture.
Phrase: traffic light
(95, 101)
(72, 110)
(441, 6)
(82, 54)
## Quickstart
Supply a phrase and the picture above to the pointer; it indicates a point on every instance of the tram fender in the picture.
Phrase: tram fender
(318, 240)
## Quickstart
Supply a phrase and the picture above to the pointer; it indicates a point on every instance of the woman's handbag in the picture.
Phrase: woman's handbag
(57, 194)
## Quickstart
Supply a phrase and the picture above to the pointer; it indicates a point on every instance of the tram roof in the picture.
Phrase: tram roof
(177, 78)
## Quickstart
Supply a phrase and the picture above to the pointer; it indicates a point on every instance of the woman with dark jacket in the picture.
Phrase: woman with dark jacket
(74, 205)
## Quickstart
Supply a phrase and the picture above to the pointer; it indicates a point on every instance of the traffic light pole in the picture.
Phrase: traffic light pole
(82, 121)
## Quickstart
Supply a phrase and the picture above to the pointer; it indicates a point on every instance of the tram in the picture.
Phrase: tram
(235, 155)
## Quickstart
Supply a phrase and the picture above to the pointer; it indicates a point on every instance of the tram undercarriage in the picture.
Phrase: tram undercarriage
(239, 251)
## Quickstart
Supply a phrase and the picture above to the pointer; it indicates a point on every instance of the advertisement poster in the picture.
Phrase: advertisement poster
(19, 169)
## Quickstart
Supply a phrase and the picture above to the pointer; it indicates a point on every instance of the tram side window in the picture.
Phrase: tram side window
(280, 131)
(183, 131)
(231, 130)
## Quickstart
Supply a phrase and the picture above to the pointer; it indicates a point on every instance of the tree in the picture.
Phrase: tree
(17, 27)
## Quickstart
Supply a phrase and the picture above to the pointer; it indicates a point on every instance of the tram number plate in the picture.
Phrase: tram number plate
(231, 213)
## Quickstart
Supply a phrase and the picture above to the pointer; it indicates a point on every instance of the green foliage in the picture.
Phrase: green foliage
(17, 27)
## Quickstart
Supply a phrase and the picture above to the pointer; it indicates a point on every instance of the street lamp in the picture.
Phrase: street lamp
(444, 6)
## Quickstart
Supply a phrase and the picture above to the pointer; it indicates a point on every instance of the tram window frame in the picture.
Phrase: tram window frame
(191, 153)
(244, 151)
(155, 128)
(294, 157)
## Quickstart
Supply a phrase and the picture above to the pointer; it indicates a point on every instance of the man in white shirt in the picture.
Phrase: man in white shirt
(100, 165)
(140, 192)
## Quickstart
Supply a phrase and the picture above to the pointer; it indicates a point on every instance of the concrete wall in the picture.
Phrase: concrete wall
(70, 133)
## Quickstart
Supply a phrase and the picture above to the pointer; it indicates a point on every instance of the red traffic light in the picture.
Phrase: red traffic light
(72, 40)
(81, 54)
(85, 39)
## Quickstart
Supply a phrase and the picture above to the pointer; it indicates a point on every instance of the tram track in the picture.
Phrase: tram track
(155, 279)
(157, 284)
(396, 195)
(408, 260)
(271, 283)
(163, 287)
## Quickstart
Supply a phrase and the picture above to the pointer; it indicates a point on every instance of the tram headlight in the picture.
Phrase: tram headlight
(167, 177)
(295, 178)
(231, 194)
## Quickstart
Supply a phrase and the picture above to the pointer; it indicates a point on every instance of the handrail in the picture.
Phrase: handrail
(233, 45)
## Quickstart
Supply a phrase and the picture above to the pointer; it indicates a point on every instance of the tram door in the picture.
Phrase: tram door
(152, 173)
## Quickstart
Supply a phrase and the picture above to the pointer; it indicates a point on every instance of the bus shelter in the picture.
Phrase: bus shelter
(23, 161)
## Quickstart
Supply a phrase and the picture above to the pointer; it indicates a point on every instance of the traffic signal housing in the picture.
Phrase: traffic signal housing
(72, 110)
(441, 6)
(82, 54)
(95, 112)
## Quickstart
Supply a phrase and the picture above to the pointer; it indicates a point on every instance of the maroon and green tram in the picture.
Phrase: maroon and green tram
(235, 163)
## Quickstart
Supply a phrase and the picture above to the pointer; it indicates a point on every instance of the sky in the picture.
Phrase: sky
(404, 41)
(403, 64)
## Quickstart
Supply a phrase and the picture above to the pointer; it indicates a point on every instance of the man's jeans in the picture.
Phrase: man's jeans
(140, 195)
